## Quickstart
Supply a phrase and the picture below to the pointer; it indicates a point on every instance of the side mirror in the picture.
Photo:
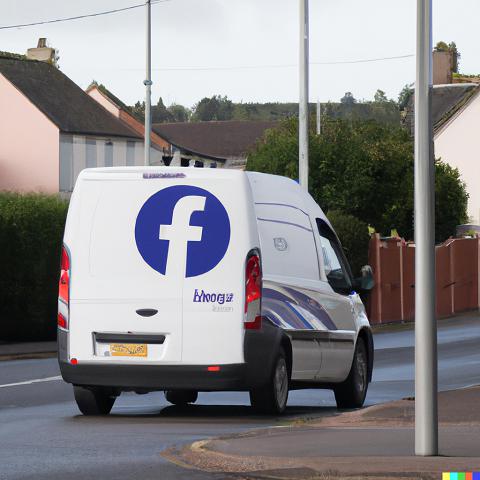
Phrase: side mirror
(366, 282)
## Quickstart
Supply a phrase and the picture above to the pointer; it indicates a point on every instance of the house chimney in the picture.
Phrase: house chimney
(42, 52)
(442, 68)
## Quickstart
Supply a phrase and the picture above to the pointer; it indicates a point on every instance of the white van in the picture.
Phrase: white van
(188, 279)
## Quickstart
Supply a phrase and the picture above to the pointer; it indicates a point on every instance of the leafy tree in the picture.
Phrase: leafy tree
(450, 200)
(179, 113)
(364, 169)
(211, 109)
(348, 99)
(160, 113)
(404, 96)
(354, 235)
(441, 47)
(139, 110)
(380, 97)
(214, 108)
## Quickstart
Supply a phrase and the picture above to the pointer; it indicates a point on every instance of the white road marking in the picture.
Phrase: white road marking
(29, 382)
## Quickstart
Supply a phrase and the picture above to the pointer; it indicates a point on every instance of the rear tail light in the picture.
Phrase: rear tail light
(253, 292)
(64, 291)
(64, 283)
(61, 321)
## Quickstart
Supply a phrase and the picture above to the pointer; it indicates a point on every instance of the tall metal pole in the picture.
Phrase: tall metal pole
(426, 414)
(148, 85)
(303, 100)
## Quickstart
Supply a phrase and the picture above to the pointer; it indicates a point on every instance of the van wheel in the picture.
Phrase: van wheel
(272, 398)
(181, 397)
(94, 401)
(352, 392)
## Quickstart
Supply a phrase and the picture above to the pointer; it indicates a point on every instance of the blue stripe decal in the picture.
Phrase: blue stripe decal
(310, 304)
(285, 223)
(307, 325)
(282, 205)
(281, 306)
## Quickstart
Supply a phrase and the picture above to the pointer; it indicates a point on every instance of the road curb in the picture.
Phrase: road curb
(198, 456)
(222, 455)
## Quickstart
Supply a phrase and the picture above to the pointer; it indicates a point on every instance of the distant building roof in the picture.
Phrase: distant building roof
(60, 99)
(219, 140)
(447, 100)
(113, 98)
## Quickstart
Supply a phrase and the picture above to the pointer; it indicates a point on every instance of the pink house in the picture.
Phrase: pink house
(50, 129)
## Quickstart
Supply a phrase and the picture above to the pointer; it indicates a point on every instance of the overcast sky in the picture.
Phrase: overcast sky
(198, 45)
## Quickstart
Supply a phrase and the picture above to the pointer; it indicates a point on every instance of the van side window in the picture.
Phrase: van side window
(336, 266)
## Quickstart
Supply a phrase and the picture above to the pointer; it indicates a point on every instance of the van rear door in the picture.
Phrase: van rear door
(114, 291)
(152, 257)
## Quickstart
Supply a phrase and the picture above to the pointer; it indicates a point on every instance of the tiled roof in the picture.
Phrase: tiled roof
(447, 100)
(220, 140)
(60, 99)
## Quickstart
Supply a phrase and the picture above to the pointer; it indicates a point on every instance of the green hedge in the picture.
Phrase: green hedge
(31, 232)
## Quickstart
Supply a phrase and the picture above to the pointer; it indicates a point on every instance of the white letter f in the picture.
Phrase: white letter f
(180, 232)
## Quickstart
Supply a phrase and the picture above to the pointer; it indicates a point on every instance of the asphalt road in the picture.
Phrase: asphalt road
(42, 435)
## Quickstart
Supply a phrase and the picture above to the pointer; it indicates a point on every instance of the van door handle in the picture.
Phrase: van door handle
(147, 312)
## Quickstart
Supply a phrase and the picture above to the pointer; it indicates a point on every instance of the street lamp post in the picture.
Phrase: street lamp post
(426, 415)
(148, 84)
(303, 100)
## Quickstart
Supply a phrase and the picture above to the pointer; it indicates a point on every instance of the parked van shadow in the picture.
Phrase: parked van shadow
(219, 413)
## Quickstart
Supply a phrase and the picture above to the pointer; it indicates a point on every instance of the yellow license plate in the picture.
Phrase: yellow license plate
(128, 349)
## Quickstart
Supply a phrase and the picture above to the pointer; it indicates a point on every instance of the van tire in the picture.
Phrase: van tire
(181, 397)
(94, 401)
(352, 392)
(272, 398)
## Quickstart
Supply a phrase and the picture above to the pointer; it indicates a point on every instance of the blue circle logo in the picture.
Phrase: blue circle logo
(182, 230)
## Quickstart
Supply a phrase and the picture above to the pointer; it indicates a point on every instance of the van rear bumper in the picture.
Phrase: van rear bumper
(154, 377)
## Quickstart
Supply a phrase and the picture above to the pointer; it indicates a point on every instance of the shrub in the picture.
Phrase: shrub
(31, 231)
(353, 233)
(363, 168)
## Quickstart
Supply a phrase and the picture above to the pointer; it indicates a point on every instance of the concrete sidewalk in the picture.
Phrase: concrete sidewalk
(13, 351)
(375, 442)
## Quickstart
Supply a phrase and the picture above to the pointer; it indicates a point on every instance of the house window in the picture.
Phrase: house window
(91, 153)
(108, 154)
(130, 153)
(66, 163)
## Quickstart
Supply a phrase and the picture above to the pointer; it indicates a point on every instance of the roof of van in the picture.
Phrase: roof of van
(266, 188)
(276, 189)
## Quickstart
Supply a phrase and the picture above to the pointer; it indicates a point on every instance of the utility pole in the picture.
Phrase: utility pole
(148, 84)
(319, 119)
(426, 414)
(303, 100)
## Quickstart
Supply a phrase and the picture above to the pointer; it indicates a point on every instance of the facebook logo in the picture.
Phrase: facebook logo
(182, 231)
